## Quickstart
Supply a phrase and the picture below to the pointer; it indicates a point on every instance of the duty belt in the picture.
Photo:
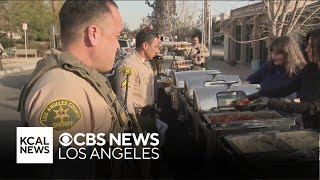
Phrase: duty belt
(149, 109)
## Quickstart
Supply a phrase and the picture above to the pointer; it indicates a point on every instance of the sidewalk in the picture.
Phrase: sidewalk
(218, 63)
(21, 64)
(13, 65)
(243, 71)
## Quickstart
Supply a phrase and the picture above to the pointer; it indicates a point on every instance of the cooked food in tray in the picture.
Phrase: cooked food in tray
(276, 141)
(258, 143)
(300, 139)
(230, 117)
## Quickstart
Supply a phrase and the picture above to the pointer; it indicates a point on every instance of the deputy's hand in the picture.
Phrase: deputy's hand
(258, 104)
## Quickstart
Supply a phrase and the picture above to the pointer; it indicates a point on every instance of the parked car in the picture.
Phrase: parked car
(120, 55)
(125, 46)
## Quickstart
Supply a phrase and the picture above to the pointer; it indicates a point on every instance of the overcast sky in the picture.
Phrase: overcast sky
(133, 11)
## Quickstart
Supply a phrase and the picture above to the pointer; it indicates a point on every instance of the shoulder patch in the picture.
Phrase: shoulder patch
(61, 114)
(127, 71)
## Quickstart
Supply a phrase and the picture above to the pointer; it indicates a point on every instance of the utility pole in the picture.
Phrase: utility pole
(54, 29)
(25, 27)
(209, 29)
(54, 24)
(203, 24)
(207, 24)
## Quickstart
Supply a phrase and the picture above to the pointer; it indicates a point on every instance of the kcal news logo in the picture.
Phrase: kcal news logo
(34, 145)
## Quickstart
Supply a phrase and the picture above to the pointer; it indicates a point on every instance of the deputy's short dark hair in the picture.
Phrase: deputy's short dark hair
(75, 13)
(195, 36)
(145, 36)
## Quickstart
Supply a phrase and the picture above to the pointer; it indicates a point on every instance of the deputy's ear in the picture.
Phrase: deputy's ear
(94, 34)
(145, 45)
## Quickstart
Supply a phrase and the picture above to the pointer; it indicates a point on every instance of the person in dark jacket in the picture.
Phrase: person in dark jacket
(308, 85)
(283, 66)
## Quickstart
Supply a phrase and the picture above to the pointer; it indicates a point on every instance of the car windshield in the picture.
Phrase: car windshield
(123, 44)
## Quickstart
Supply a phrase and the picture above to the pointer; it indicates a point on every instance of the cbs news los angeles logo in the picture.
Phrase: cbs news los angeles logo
(35, 146)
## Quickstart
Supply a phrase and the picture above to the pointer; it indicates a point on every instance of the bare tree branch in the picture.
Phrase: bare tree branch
(185, 19)
(303, 22)
(270, 11)
(294, 13)
(297, 18)
(152, 5)
(245, 42)
(283, 16)
(278, 13)
(267, 6)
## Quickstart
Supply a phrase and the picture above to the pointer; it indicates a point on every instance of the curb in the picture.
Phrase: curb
(17, 69)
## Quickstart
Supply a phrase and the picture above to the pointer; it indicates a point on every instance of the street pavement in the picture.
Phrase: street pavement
(10, 88)
(17, 72)
(182, 152)
(14, 65)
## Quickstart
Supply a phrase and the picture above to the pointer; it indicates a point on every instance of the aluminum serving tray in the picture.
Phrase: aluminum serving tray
(273, 141)
(177, 86)
(276, 154)
(205, 98)
(191, 84)
(266, 120)
(295, 144)
(180, 77)
(259, 119)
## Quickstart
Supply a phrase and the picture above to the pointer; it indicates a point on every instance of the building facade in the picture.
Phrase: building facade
(245, 34)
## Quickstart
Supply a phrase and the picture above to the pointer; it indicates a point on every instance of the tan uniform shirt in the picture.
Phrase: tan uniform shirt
(141, 82)
(203, 52)
(68, 103)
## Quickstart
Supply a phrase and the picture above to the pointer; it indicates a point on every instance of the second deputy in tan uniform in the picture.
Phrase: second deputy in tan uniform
(140, 82)
(198, 53)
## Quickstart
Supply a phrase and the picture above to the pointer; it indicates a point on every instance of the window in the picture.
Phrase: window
(123, 43)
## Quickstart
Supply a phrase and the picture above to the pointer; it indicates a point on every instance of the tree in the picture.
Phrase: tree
(186, 18)
(125, 27)
(56, 6)
(162, 17)
(172, 17)
(37, 15)
(283, 18)
(287, 17)
(8, 16)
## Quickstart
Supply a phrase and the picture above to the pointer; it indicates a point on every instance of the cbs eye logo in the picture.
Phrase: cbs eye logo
(65, 139)
(82, 139)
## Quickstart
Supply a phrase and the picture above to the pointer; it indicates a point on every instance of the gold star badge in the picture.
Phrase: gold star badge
(61, 113)
(127, 71)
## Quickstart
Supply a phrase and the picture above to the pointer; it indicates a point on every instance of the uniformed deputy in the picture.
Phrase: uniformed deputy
(67, 90)
(140, 82)
(198, 53)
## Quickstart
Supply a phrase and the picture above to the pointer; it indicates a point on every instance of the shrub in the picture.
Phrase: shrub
(41, 47)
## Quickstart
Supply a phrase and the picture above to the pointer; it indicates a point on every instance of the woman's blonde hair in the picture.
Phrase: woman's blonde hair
(294, 60)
